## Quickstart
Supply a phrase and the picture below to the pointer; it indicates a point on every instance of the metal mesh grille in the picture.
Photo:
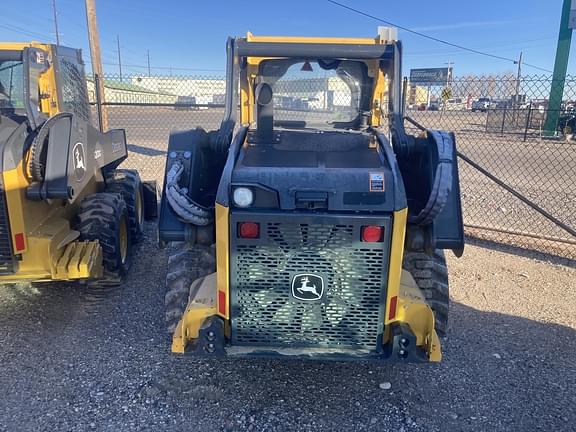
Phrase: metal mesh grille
(349, 313)
(74, 92)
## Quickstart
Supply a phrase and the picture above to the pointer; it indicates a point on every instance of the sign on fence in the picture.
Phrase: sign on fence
(430, 76)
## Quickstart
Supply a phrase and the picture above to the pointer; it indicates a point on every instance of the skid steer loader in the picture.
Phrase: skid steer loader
(311, 224)
(66, 211)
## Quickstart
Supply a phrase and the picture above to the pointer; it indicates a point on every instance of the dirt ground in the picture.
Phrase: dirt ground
(76, 360)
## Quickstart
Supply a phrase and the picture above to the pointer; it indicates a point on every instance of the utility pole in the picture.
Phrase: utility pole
(560, 68)
(449, 74)
(148, 55)
(518, 78)
(96, 57)
(119, 57)
(55, 22)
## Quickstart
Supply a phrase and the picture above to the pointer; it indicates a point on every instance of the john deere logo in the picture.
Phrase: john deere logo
(307, 287)
(79, 161)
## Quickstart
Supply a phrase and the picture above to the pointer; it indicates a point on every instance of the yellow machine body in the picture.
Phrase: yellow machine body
(42, 239)
(405, 303)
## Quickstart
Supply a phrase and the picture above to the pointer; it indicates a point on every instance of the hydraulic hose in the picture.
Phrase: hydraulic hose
(185, 208)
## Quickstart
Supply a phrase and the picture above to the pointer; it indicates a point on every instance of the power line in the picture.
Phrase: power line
(435, 39)
(23, 31)
(507, 47)
(136, 66)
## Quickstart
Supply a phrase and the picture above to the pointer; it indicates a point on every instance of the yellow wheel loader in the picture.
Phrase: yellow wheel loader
(66, 211)
(311, 225)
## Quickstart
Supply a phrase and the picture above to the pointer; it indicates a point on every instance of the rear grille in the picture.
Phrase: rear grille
(349, 314)
(6, 257)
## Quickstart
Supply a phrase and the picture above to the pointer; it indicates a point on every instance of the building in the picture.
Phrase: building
(123, 92)
(204, 90)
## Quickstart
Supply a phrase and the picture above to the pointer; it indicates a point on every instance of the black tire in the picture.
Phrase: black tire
(128, 184)
(186, 263)
(431, 276)
(102, 217)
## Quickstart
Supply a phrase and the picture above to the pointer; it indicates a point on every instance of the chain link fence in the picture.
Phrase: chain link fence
(518, 181)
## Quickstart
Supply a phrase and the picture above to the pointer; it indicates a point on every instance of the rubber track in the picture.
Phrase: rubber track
(431, 276)
(185, 264)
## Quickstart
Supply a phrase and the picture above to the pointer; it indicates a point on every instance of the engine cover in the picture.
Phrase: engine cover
(329, 170)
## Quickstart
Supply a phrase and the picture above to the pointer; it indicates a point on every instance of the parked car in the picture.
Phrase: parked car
(185, 103)
(482, 104)
(567, 123)
(456, 104)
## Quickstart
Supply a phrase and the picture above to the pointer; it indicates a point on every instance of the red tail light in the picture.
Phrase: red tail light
(393, 305)
(372, 233)
(222, 302)
(19, 242)
(249, 230)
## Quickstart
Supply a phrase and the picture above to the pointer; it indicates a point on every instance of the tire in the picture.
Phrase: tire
(186, 263)
(128, 184)
(431, 276)
(104, 217)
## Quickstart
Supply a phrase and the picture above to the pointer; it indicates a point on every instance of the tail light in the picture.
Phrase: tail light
(372, 234)
(249, 230)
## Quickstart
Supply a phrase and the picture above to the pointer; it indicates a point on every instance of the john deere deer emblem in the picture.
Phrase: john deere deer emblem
(79, 161)
(307, 287)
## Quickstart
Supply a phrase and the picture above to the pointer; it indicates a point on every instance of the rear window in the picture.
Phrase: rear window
(315, 92)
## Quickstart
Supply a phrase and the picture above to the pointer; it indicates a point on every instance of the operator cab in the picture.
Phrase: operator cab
(311, 142)
(12, 86)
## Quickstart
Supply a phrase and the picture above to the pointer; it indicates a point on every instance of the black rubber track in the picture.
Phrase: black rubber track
(99, 219)
(186, 263)
(128, 184)
(431, 275)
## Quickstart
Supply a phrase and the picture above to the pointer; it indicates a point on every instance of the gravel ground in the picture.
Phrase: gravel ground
(73, 360)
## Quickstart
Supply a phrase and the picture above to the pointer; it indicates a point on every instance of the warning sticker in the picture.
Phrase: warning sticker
(376, 182)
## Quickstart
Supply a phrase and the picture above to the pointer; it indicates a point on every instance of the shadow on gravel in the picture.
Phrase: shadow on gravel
(147, 151)
(523, 252)
(63, 368)
(499, 372)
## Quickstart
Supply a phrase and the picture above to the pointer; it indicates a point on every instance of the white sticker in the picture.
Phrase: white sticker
(377, 182)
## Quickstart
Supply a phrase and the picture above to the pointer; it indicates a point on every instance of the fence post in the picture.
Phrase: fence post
(528, 118)
(404, 91)
(503, 120)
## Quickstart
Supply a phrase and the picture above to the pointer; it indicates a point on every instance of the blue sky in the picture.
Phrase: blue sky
(190, 36)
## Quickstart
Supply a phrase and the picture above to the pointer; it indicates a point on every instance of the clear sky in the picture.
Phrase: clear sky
(190, 35)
